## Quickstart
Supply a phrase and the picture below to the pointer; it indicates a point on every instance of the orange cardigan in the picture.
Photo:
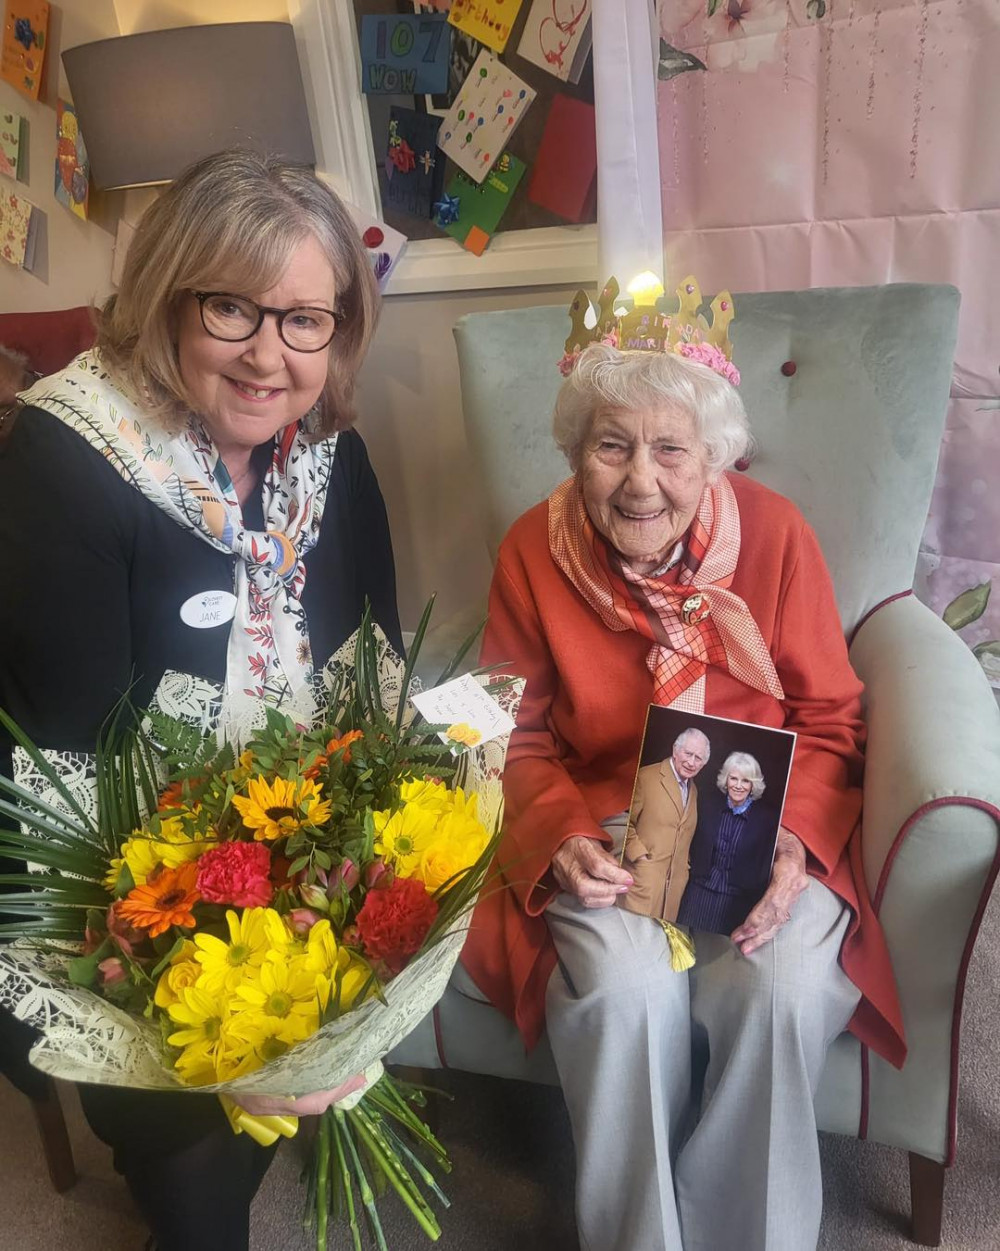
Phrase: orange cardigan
(572, 758)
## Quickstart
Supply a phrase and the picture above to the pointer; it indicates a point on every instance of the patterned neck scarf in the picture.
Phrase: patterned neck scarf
(692, 624)
(184, 476)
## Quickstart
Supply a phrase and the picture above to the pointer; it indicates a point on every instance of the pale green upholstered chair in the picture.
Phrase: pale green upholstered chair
(852, 436)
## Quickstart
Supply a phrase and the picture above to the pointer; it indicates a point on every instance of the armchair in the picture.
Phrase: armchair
(851, 434)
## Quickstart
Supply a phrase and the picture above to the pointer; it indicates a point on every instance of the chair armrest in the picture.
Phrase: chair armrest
(930, 835)
(933, 727)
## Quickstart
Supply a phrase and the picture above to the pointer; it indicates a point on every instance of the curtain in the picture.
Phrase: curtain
(807, 143)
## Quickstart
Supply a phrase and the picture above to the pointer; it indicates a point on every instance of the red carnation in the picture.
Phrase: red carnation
(236, 873)
(393, 922)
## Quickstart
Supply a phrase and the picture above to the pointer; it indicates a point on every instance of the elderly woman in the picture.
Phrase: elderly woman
(200, 455)
(730, 858)
(652, 575)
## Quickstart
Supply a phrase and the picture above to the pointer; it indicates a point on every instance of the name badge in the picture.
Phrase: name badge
(208, 609)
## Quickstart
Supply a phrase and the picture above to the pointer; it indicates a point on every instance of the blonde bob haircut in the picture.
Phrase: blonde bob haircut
(746, 765)
(604, 377)
(231, 223)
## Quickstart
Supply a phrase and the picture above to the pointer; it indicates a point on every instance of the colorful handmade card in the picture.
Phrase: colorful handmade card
(704, 819)
(489, 21)
(566, 166)
(72, 185)
(13, 145)
(470, 212)
(404, 53)
(22, 55)
(413, 165)
(557, 37)
(385, 245)
(487, 111)
(461, 57)
(18, 229)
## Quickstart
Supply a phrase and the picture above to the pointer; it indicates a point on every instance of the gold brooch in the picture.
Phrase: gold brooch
(695, 609)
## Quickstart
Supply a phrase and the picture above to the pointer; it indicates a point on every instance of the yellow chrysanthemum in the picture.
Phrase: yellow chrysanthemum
(182, 971)
(211, 1051)
(282, 1001)
(278, 808)
(401, 837)
(252, 937)
(114, 873)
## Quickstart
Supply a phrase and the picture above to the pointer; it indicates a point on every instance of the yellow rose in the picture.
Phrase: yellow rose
(182, 971)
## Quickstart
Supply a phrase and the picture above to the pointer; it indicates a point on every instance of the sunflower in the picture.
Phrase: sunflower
(165, 900)
(277, 809)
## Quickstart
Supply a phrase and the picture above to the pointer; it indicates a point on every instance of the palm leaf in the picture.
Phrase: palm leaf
(44, 768)
(411, 660)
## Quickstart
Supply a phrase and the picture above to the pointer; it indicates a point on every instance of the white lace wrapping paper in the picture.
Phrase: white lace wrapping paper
(86, 1039)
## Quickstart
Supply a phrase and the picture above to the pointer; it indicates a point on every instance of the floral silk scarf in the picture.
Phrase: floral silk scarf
(692, 624)
(269, 656)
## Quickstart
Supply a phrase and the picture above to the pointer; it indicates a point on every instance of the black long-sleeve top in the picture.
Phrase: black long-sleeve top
(93, 576)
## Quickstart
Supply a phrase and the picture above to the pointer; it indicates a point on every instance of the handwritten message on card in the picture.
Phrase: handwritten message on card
(402, 54)
(479, 125)
(471, 715)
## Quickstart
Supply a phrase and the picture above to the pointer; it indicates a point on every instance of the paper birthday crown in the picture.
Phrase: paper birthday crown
(645, 328)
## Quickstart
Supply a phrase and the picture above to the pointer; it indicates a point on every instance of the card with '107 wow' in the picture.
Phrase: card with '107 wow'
(487, 111)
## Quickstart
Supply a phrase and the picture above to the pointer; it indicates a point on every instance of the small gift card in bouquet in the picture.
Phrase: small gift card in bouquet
(259, 905)
(704, 818)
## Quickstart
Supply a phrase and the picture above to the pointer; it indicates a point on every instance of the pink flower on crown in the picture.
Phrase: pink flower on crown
(568, 363)
(708, 354)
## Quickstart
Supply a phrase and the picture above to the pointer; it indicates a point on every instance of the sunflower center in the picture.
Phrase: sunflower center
(279, 1004)
(280, 814)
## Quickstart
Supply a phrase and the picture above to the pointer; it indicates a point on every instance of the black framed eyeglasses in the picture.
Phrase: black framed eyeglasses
(234, 318)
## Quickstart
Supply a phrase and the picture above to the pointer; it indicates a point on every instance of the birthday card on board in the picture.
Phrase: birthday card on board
(19, 221)
(25, 37)
(72, 182)
(413, 165)
(13, 145)
(488, 110)
(470, 212)
(557, 37)
(489, 21)
(404, 53)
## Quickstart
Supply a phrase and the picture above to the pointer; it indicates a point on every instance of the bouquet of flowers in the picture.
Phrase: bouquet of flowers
(269, 915)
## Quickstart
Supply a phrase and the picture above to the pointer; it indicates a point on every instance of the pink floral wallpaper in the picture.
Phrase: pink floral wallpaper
(851, 142)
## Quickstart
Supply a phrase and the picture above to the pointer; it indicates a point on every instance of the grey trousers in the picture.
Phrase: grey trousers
(691, 1094)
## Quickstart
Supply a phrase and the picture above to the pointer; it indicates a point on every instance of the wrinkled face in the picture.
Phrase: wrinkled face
(690, 756)
(246, 392)
(642, 473)
(738, 787)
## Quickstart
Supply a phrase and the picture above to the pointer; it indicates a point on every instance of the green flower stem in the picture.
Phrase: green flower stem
(322, 1182)
(367, 1198)
(392, 1167)
(391, 1102)
(418, 1166)
(309, 1177)
(345, 1177)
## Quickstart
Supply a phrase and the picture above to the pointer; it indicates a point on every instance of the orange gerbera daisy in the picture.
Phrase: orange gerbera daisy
(166, 899)
(335, 744)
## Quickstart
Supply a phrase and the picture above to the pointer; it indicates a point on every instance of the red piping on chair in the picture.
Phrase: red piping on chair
(439, 1037)
(889, 599)
(963, 968)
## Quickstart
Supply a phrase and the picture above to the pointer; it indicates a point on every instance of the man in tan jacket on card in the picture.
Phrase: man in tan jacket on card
(661, 825)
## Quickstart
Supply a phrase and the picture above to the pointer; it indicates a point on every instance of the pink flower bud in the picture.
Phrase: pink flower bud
(302, 920)
(348, 875)
(112, 971)
(375, 870)
(314, 897)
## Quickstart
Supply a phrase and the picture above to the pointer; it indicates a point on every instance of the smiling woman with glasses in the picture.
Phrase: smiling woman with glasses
(202, 452)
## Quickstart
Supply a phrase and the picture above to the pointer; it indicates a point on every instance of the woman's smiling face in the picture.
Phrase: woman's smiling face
(642, 474)
(738, 787)
(246, 392)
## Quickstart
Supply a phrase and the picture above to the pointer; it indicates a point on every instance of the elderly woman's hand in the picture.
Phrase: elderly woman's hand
(583, 868)
(307, 1105)
(788, 881)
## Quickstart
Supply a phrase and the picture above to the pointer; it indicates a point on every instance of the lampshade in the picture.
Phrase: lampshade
(150, 104)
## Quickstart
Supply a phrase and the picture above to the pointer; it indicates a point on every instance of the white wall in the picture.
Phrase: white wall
(73, 261)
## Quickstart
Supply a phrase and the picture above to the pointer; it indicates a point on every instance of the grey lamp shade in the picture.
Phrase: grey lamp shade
(150, 104)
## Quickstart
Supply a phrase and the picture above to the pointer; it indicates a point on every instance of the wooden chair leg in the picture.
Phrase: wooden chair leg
(55, 1140)
(926, 1199)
